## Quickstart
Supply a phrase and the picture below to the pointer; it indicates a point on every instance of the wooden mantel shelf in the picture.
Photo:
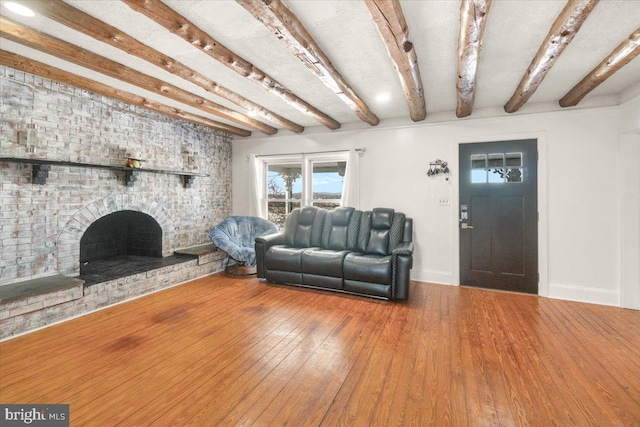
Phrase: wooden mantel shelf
(41, 168)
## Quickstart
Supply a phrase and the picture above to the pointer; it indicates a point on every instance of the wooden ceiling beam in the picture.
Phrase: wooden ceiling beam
(393, 28)
(288, 28)
(31, 66)
(182, 27)
(69, 16)
(69, 52)
(473, 19)
(561, 34)
(624, 53)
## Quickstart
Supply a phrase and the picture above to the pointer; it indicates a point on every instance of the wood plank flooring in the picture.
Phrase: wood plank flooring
(227, 351)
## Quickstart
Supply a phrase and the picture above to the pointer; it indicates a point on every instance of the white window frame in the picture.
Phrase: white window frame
(306, 161)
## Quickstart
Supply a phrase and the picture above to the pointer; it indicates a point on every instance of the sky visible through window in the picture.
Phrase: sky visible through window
(329, 182)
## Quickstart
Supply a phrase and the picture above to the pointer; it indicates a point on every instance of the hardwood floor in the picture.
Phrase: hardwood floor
(225, 351)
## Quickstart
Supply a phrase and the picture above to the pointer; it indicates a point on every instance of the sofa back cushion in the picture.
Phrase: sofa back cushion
(373, 232)
(381, 230)
(303, 227)
(381, 220)
(397, 231)
(341, 229)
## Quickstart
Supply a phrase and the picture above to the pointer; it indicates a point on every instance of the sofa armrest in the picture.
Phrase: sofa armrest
(403, 248)
(271, 239)
(402, 258)
(263, 243)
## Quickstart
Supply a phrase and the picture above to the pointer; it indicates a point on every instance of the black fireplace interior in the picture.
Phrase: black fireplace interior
(121, 244)
(121, 233)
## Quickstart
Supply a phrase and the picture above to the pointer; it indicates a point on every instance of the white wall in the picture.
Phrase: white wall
(579, 191)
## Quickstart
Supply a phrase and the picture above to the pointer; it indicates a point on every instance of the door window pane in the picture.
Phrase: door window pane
(478, 161)
(478, 168)
(496, 176)
(514, 171)
(496, 171)
(478, 176)
(514, 159)
(514, 175)
(496, 160)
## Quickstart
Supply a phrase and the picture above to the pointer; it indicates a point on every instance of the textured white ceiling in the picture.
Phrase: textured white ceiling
(345, 31)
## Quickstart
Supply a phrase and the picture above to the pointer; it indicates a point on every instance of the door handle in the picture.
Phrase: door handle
(465, 225)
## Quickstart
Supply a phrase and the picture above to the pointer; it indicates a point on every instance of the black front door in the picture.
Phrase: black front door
(499, 215)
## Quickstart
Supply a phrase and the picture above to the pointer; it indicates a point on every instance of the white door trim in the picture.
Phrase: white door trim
(629, 221)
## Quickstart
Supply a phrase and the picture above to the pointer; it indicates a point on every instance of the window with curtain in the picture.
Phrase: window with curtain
(302, 180)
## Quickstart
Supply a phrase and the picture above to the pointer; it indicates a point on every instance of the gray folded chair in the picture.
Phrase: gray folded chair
(236, 236)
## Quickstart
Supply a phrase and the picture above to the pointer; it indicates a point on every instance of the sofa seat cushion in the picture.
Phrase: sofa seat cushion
(284, 258)
(323, 262)
(367, 268)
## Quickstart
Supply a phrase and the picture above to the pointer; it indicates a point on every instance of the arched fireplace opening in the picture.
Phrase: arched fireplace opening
(120, 236)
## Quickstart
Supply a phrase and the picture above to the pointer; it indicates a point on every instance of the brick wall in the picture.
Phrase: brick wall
(38, 221)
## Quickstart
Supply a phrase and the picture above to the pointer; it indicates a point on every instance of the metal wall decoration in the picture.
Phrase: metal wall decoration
(438, 168)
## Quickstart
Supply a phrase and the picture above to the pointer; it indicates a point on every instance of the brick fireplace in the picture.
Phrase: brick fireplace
(42, 226)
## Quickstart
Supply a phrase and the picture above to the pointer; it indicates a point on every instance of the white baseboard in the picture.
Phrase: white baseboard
(439, 277)
(584, 294)
(556, 290)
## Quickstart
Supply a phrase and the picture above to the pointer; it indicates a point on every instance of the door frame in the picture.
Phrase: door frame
(540, 136)
(629, 229)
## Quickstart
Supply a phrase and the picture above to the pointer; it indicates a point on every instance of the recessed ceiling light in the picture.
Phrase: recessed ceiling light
(383, 97)
(18, 8)
(252, 113)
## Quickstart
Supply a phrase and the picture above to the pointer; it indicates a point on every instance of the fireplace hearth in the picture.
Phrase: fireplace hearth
(100, 271)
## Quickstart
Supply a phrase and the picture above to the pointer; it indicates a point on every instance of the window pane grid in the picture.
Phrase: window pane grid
(496, 168)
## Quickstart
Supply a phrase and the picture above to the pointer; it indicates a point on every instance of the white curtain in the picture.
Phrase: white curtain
(351, 189)
(255, 186)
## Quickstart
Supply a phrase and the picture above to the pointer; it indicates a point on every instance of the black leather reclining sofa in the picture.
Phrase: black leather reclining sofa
(366, 253)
